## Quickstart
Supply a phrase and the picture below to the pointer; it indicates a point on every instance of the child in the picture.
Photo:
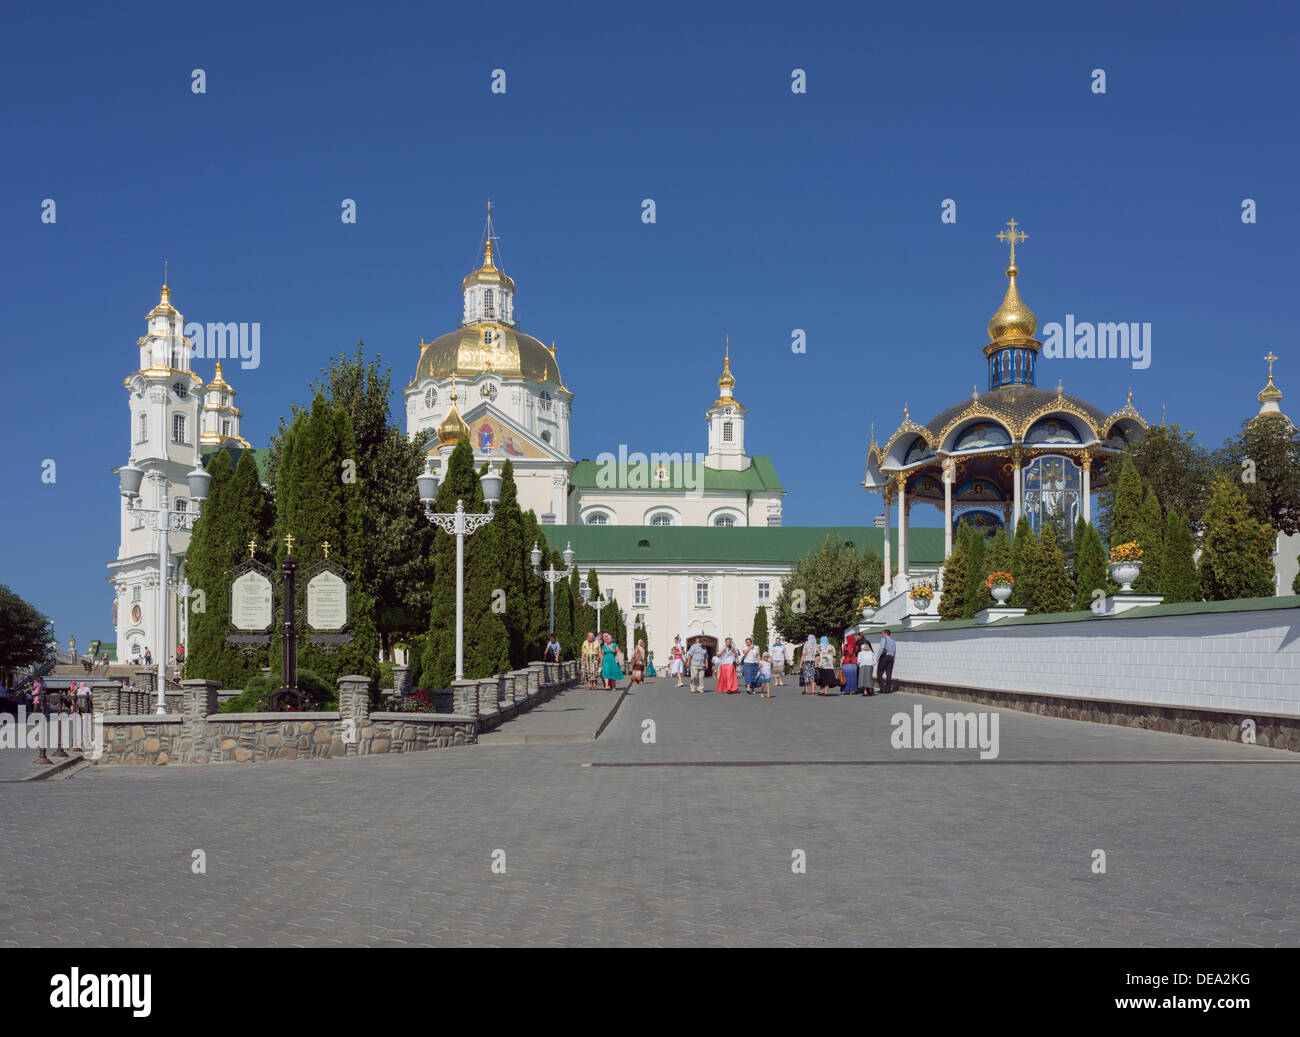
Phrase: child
(765, 676)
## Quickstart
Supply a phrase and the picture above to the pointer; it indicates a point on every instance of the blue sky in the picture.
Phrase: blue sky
(775, 211)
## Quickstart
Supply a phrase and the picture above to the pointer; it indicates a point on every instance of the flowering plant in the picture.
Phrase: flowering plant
(1129, 552)
(867, 601)
(420, 701)
(999, 579)
(921, 593)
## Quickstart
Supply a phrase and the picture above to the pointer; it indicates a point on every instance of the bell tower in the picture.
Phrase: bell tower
(727, 424)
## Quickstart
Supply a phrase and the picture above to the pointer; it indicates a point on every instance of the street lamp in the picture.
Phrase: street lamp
(551, 575)
(598, 604)
(461, 524)
(162, 520)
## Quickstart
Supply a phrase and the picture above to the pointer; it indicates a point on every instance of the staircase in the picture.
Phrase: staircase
(78, 671)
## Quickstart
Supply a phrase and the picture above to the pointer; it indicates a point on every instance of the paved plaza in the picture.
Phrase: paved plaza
(601, 849)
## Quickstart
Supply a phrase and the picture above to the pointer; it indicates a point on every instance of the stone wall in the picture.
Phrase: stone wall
(197, 733)
(1167, 668)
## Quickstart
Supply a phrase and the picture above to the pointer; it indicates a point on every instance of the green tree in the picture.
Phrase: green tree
(821, 592)
(1171, 461)
(535, 595)
(1178, 577)
(515, 568)
(584, 616)
(238, 511)
(759, 633)
(997, 559)
(1264, 460)
(1024, 547)
(1151, 538)
(1237, 550)
(1050, 583)
(975, 594)
(24, 633)
(1090, 572)
(1125, 516)
(952, 603)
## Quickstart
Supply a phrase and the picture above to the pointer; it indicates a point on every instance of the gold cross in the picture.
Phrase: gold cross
(1012, 235)
(1270, 358)
(325, 546)
(288, 543)
(252, 547)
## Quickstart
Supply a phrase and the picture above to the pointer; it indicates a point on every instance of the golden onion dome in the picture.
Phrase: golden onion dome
(1269, 392)
(217, 381)
(1013, 319)
(164, 303)
(488, 273)
(728, 380)
(475, 348)
(452, 428)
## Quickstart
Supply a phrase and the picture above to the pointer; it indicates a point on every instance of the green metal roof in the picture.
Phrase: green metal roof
(760, 476)
(768, 545)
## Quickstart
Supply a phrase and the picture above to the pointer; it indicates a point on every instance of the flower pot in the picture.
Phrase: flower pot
(1001, 593)
(1124, 573)
(922, 605)
(868, 614)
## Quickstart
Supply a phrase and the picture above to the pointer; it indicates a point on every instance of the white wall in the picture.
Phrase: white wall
(1236, 661)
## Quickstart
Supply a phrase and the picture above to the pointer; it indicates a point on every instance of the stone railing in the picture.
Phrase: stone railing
(194, 732)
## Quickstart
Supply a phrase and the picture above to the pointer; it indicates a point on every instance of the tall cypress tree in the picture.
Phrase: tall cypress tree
(1052, 589)
(1090, 573)
(1151, 539)
(563, 605)
(759, 633)
(509, 523)
(997, 559)
(975, 594)
(952, 603)
(1236, 551)
(1179, 580)
(584, 616)
(536, 589)
(1024, 547)
(1126, 511)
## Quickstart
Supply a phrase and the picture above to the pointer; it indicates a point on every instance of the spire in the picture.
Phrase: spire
(1013, 319)
(1270, 396)
(728, 381)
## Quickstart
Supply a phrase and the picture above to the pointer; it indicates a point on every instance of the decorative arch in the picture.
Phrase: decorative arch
(735, 514)
(1053, 430)
(659, 510)
(595, 510)
(982, 434)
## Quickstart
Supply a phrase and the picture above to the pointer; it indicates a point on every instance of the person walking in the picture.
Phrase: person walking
(765, 676)
(849, 666)
(777, 656)
(609, 669)
(885, 665)
(552, 653)
(591, 660)
(676, 660)
(638, 663)
(650, 664)
(808, 665)
(698, 655)
(866, 664)
(749, 662)
(148, 656)
(726, 660)
(825, 666)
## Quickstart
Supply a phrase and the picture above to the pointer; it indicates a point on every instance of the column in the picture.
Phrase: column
(901, 481)
(1086, 461)
(889, 566)
(1015, 507)
(354, 710)
(198, 702)
(948, 471)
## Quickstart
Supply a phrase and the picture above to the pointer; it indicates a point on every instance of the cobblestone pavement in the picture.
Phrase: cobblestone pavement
(399, 850)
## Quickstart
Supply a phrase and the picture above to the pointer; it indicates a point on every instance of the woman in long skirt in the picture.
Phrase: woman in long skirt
(609, 669)
(849, 666)
(677, 660)
(591, 660)
(825, 666)
(638, 663)
(650, 664)
(726, 660)
(866, 665)
(808, 665)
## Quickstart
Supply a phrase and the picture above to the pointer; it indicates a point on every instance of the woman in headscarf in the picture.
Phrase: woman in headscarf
(849, 666)
(591, 660)
(726, 660)
(808, 665)
(610, 669)
(638, 661)
(825, 666)
(677, 660)
(650, 663)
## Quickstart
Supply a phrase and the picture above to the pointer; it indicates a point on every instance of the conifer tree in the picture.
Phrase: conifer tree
(1050, 583)
(952, 603)
(1236, 551)
(975, 594)
(1179, 579)
(1090, 572)
(1126, 512)
(584, 616)
(1151, 539)
(759, 633)
(1024, 547)
(514, 567)
(536, 595)
(639, 634)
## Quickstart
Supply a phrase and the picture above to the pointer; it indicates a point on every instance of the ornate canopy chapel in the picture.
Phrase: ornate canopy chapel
(1013, 450)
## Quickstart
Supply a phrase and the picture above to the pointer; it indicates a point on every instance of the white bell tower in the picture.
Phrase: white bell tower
(727, 424)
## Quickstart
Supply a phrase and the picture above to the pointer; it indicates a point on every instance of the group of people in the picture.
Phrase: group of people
(37, 698)
(854, 669)
(603, 661)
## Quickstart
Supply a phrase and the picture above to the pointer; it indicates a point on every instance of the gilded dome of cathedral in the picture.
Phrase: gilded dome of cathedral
(1013, 319)
(477, 348)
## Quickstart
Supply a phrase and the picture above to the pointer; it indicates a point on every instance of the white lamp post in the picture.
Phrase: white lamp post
(460, 524)
(598, 604)
(551, 575)
(162, 520)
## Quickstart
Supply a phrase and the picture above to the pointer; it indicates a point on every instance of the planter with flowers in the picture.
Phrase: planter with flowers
(921, 596)
(867, 605)
(999, 584)
(1125, 565)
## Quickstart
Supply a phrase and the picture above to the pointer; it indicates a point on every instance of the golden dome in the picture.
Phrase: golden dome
(164, 303)
(1013, 319)
(217, 381)
(452, 429)
(488, 274)
(465, 354)
(728, 380)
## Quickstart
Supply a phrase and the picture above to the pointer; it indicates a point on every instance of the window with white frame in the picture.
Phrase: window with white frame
(727, 432)
(640, 593)
(725, 520)
(764, 592)
(544, 401)
(661, 519)
(181, 390)
(701, 594)
(182, 505)
(142, 428)
(178, 428)
(135, 592)
(225, 426)
(489, 310)
(225, 400)
(430, 398)
(597, 518)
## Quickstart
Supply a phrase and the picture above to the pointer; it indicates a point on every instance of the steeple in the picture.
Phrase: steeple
(726, 422)
(728, 381)
(1012, 349)
(1270, 396)
(489, 293)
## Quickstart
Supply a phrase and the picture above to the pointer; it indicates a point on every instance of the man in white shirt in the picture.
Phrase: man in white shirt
(777, 653)
(699, 656)
(885, 665)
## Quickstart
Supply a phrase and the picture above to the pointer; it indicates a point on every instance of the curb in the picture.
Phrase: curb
(48, 772)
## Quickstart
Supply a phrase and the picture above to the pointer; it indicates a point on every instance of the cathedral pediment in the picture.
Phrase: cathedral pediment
(493, 434)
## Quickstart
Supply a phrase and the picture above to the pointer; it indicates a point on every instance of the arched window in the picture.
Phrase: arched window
(544, 401)
(178, 428)
(725, 520)
(661, 519)
(430, 398)
(142, 428)
(727, 432)
(546, 435)
(597, 518)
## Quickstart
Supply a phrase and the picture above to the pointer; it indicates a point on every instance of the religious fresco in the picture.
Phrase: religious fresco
(918, 451)
(492, 437)
(983, 434)
(978, 489)
(982, 521)
(1052, 430)
(1053, 492)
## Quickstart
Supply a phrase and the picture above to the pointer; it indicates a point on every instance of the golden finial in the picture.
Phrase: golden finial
(325, 546)
(728, 380)
(1060, 387)
(1270, 358)
(1012, 235)
(288, 543)
(1130, 396)
(1270, 391)
(252, 548)
(905, 413)
(552, 347)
